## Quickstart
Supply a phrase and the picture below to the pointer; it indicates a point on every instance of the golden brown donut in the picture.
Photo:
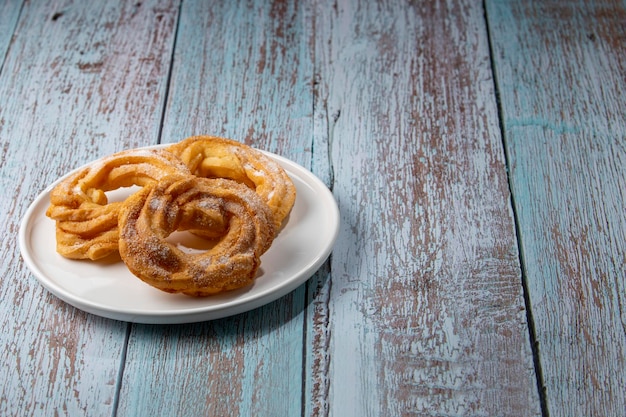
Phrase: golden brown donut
(215, 157)
(149, 216)
(86, 224)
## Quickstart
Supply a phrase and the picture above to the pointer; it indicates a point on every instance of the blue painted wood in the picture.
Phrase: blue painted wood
(80, 80)
(393, 105)
(244, 70)
(241, 69)
(422, 311)
(9, 13)
(560, 69)
(253, 363)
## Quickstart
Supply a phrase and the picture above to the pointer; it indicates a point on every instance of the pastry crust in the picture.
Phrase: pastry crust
(149, 216)
(215, 157)
(86, 223)
(233, 196)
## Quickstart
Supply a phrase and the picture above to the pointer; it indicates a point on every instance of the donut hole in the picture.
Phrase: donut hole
(190, 243)
(120, 194)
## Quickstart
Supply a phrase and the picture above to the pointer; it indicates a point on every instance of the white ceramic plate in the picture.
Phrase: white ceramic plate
(108, 289)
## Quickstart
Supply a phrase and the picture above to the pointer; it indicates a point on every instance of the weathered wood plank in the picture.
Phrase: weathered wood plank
(9, 13)
(560, 68)
(241, 70)
(80, 80)
(423, 313)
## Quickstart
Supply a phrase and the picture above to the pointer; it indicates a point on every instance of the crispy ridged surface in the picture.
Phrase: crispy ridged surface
(233, 196)
(149, 216)
(86, 224)
(215, 157)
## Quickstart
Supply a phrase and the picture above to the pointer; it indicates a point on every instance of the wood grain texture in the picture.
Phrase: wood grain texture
(80, 80)
(423, 313)
(9, 13)
(244, 71)
(560, 69)
(420, 310)
(241, 69)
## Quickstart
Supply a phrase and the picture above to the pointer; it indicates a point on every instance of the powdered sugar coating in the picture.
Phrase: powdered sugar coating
(211, 156)
(231, 263)
(86, 223)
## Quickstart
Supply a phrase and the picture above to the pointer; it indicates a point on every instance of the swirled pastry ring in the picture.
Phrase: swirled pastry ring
(152, 214)
(215, 157)
(86, 223)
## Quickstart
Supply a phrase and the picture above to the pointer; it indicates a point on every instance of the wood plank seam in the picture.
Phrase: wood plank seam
(313, 291)
(534, 343)
(331, 136)
(168, 80)
(317, 293)
(120, 373)
(320, 365)
(129, 327)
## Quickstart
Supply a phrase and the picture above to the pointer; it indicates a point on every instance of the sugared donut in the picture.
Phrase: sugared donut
(152, 214)
(215, 157)
(86, 223)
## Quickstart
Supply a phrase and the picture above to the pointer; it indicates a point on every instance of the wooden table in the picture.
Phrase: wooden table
(477, 153)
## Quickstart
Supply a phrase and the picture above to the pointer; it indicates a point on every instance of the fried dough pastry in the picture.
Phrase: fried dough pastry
(174, 203)
(86, 223)
(215, 157)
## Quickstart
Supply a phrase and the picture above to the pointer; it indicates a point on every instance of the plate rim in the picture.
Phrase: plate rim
(194, 314)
